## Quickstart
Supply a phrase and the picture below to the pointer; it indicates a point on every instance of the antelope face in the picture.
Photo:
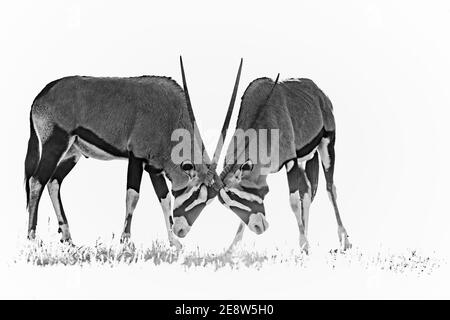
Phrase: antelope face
(244, 191)
(192, 199)
(192, 196)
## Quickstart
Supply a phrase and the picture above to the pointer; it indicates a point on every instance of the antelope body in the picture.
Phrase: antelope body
(118, 118)
(303, 116)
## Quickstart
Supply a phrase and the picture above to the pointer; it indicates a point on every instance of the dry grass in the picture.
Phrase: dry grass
(49, 254)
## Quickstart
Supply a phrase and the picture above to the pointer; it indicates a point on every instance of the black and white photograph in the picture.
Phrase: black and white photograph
(228, 151)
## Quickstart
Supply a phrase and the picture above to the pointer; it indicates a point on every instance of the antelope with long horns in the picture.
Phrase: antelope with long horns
(120, 118)
(299, 118)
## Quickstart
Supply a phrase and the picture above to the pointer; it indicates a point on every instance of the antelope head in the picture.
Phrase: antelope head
(244, 176)
(200, 183)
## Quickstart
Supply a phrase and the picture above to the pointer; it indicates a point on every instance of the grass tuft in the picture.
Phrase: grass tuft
(159, 253)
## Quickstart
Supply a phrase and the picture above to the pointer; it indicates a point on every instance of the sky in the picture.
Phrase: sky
(384, 65)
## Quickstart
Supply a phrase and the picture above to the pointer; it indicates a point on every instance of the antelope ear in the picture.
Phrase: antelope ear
(188, 167)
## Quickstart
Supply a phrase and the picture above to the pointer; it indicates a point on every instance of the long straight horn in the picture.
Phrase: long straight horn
(186, 93)
(228, 167)
(189, 106)
(226, 123)
(212, 174)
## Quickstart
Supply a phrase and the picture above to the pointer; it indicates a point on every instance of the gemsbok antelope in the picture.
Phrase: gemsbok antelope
(299, 118)
(120, 118)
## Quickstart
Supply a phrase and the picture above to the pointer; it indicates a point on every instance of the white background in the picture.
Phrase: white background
(384, 64)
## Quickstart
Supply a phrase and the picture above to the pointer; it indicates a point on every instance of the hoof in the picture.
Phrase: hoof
(343, 240)
(65, 233)
(125, 237)
(175, 243)
(230, 249)
(345, 244)
(304, 245)
(233, 246)
(31, 235)
(67, 242)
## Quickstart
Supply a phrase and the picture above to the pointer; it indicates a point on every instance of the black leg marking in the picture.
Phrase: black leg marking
(134, 177)
(92, 138)
(134, 173)
(293, 176)
(159, 184)
(312, 173)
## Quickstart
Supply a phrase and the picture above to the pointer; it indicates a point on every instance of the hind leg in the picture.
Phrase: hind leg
(312, 173)
(327, 155)
(53, 150)
(311, 176)
(299, 198)
(54, 185)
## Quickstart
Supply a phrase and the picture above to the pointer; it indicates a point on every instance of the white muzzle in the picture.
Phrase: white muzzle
(258, 223)
(180, 227)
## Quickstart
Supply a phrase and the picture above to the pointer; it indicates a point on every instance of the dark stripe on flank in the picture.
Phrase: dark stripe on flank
(308, 148)
(95, 140)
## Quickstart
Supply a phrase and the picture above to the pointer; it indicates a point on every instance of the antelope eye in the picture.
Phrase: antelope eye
(187, 165)
(247, 166)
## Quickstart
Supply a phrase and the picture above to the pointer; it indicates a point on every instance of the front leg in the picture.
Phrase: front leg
(299, 198)
(134, 177)
(237, 237)
(160, 186)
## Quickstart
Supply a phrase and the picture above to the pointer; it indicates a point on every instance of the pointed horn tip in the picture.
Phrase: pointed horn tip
(278, 76)
(226, 123)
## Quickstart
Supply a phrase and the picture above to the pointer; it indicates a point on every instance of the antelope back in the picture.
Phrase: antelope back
(127, 115)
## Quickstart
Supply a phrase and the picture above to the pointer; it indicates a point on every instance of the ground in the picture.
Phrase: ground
(108, 269)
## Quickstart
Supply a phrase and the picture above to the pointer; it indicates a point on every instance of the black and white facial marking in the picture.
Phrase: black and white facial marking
(190, 201)
(246, 202)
